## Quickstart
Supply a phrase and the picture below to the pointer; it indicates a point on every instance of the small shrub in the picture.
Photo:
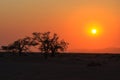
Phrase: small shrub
(94, 64)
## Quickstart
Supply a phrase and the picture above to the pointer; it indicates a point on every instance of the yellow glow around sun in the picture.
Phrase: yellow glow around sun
(94, 31)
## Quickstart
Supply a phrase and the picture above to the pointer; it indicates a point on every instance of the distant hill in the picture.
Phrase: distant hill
(105, 50)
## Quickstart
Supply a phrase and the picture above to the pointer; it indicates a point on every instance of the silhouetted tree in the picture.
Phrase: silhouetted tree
(20, 45)
(8, 48)
(49, 43)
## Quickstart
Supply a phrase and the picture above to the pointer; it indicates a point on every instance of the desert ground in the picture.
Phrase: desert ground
(62, 67)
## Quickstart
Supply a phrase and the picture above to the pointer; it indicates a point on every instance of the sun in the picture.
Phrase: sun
(93, 31)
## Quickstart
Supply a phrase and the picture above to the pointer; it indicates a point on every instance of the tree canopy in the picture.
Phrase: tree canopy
(47, 44)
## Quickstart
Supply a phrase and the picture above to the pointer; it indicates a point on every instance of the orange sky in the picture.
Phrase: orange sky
(71, 19)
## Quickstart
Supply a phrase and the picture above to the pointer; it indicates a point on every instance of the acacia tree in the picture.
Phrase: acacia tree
(49, 43)
(20, 45)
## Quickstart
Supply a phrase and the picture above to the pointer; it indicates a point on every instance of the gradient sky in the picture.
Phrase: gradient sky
(71, 19)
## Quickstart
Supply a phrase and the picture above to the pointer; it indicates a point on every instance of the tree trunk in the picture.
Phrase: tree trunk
(45, 55)
(53, 53)
(20, 52)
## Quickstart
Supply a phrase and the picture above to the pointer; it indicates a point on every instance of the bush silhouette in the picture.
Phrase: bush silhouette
(94, 64)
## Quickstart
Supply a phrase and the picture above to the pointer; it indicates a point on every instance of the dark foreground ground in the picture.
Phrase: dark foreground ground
(62, 67)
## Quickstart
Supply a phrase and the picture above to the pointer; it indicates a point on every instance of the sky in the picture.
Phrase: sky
(72, 20)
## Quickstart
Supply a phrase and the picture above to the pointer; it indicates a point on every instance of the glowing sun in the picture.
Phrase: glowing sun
(93, 31)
